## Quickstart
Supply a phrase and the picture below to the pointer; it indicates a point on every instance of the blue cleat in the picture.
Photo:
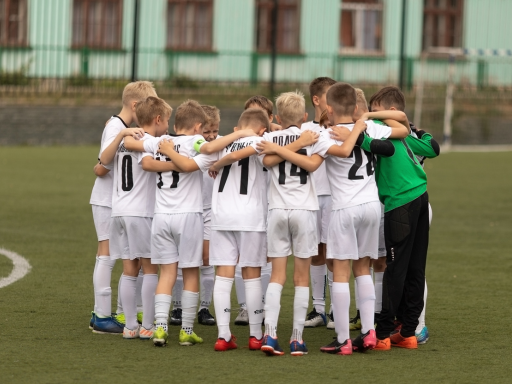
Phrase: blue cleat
(422, 337)
(93, 319)
(271, 347)
(297, 348)
(107, 325)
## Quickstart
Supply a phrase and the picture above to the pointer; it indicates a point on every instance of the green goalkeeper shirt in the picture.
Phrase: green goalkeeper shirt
(400, 177)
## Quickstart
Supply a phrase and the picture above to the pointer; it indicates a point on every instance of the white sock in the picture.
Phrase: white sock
(272, 308)
(421, 320)
(371, 272)
(239, 286)
(379, 277)
(177, 290)
(95, 309)
(128, 291)
(318, 280)
(341, 299)
(266, 272)
(119, 309)
(140, 280)
(329, 280)
(300, 310)
(162, 307)
(356, 294)
(189, 308)
(148, 300)
(254, 306)
(366, 302)
(222, 305)
(102, 290)
(206, 282)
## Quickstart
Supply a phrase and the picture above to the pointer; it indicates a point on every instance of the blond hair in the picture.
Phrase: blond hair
(212, 114)
(291, 107)
(138, 91)
(147, 110)
(188, 114)
(254, 118)
(361, 102)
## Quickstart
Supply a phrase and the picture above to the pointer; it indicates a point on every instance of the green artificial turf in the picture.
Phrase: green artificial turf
(44, 335)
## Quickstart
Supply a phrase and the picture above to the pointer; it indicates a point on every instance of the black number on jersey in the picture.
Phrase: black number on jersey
(244, 178)
(409, 151)
(302, 173)
(358, 154)
(127, 173)
(175, 177)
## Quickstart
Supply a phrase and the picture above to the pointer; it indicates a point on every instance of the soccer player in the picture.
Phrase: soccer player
(318, 271)
(101, 201)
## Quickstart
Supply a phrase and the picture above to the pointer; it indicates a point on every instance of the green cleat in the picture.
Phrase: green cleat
(119, 317)
(139, 317)
(160, 337)
(186, 339)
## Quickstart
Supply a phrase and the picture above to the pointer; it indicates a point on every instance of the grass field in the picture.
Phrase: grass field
(45, 216)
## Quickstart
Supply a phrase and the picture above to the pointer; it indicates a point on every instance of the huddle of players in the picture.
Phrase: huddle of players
(250, 221)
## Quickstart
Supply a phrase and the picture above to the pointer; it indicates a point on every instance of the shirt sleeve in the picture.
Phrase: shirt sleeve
(255, 142)
(425, 146)
(204, 162)
(199, 141)
(323, 144)
(111, 131)
(150, 147)
(377, 131)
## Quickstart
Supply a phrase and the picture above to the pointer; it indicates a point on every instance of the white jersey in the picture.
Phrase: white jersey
(320, 175)
(133, 188)
(240, 192)
(102, 191)
(352, 179)
(179, 192)
(290, 186)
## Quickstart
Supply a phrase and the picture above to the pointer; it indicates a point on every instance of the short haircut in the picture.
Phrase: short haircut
(319, 86)
(291, 107)
(389, 97)
(262, 102)
(188, 114)
(361, 102)
(324, 119)
(212, 114)
(341, 97)
(138, 91)
(254, 117)
(147, 110)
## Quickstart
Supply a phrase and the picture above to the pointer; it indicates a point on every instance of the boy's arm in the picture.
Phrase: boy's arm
(184, 163)
(233, 157)
(110, 151)
(100, 170)
(307, 163)
(344, 150)
(398, 130)
(132, 144)
(399, 116)
(306, 138)
(424, 145)
(207, 148)
(151, 165)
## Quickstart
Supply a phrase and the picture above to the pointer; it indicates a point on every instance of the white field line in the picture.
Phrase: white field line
(476, 148)
(20, 267)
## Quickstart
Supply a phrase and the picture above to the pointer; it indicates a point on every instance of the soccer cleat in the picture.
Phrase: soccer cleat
(131, 333)
(160, 337)
(107, 325)
(297, 348)
(243, 317)
(175, 317)
(271, 347)
(355, 323)
(364, 342)
(330, 324)
(254, 343)
(205, 317)
(383, 345)
(337, 348)
(222, 345)
(91, 322)
(146, 334)
(119, 318)
(422, 337)
(397, 340)
(315, 319)
(140, 315)
(186, 339)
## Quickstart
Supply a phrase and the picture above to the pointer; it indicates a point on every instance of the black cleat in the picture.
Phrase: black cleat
(175, 317)
(205, 317)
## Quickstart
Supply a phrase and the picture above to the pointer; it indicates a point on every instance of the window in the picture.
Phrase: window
(97, 24)
(13, 22)
(189, 25)
(442, 23)
(288, 26)
(361, 26)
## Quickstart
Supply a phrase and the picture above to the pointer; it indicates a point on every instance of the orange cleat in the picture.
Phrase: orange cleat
(397, 340)
(223, 345)
(255, 344)
(383, 345)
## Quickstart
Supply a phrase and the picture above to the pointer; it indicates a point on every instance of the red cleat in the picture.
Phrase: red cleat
(223, 345)
(383, 345)
(397, 340)
(255, 344)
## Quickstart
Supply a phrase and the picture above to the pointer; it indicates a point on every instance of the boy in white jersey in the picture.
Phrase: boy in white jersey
(178, 221)
(318, 271)
(101, 202)
(353, 230)
(133, 203)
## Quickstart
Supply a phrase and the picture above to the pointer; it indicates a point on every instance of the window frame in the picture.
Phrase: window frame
(85, 44)
(183, 48)
(4, 38)
(458, 13)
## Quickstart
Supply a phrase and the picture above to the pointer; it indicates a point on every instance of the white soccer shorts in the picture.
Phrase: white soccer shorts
(130, 237)
(101, 216)
(354, 232)
(207, 220)
(177, 238)
(323, 217)
(227, 246)
(382, 243)
(292, 231)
